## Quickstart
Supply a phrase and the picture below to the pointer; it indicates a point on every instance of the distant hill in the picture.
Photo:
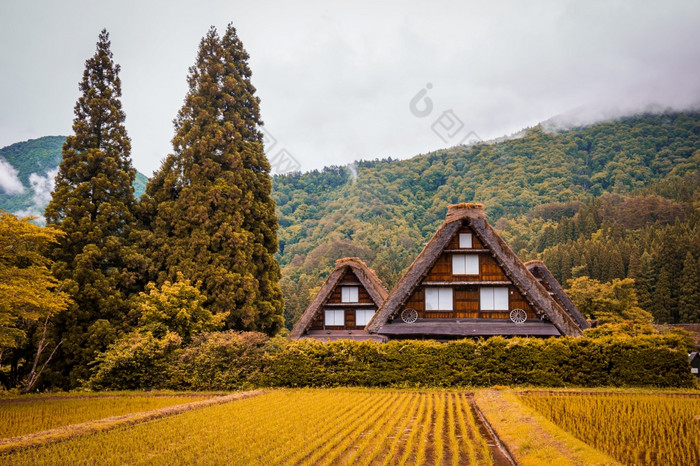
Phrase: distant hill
(34, 164)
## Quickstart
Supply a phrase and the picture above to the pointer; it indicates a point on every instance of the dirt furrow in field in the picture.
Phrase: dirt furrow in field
(66, 432)
(499, 453)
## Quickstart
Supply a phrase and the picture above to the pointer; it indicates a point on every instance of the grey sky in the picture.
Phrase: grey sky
(336, 78)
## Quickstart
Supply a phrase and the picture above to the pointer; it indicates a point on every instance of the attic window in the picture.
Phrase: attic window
(438, 299)
(335, 318)
(465, 264)
(349, 294)
(363, 316)
(465, 240)
(494, 298)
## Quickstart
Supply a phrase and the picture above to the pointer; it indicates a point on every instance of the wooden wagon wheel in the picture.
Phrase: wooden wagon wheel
(409, 315)
(519, 316)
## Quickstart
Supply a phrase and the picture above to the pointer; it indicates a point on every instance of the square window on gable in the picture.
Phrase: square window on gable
(494, 298)
(438, 299)
(465, 240)
(349, 294)
(363, 316)
(465, 264)
(335, 318)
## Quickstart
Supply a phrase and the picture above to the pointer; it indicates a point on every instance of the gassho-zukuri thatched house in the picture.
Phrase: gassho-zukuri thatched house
(344, 305)
(466, 282)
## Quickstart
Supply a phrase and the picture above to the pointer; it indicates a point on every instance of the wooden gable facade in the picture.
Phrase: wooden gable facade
(470, 271)
(344, 305)
(468, 282)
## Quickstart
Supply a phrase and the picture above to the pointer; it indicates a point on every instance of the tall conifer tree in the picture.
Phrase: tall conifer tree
(208, 208)
(93, 203)
(646, 281)
(689, 300)
(662, 298)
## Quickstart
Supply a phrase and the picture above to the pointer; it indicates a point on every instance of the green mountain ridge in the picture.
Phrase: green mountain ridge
(39, 157)
(529, 185)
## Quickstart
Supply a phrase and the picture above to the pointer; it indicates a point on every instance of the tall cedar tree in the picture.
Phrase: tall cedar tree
(93, 202)
(689, 301)
(208, 209)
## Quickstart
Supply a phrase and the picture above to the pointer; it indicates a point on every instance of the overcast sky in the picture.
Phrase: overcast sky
(341, 81)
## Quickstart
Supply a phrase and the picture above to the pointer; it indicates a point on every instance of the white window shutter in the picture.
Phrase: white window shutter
(500, 299)
(432, 299)
(363, 316)
(335, 317)
(486, 298)
(349, 294)
(471, 264)
(459, 264)
(445, 299)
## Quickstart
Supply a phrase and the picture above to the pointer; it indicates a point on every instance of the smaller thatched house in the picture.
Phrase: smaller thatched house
(344, 305)
(554, 288)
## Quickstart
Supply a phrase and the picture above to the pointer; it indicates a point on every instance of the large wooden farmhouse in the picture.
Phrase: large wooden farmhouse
(344, 305)
(466, 282)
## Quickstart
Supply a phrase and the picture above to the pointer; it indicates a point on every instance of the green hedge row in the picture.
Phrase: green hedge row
(640, 361)
(230, 360)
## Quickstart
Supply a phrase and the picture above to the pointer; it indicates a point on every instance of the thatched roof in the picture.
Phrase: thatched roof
(473, 215)
(374, 286)
(540, 270)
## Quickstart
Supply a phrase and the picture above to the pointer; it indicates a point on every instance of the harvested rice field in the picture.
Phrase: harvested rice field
(354, 426)
(19, 416)
(634, 428)
(292, 427)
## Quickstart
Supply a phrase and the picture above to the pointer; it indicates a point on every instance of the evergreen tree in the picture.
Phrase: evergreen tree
(673, 256)
(614, 268)
(208, 208)
(645, 281)
(634, 267)
(689, 300)
(93, 203)
(662, 299)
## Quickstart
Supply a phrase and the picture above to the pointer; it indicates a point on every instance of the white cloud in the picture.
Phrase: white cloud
(42, 187)
(9, 182)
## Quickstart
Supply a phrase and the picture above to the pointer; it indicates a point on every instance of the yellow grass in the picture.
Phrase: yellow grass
(33, 414)
(530, 438)
(634, 428)
(308, 426)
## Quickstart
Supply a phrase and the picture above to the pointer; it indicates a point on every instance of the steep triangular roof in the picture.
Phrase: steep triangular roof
(374, 286)
(473, 215)
(540, 270)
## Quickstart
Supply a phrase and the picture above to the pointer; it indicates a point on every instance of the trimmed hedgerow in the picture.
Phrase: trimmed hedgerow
(232, 360)
(610, 361)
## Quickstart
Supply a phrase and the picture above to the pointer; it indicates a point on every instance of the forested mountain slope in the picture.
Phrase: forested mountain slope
(593, 192)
